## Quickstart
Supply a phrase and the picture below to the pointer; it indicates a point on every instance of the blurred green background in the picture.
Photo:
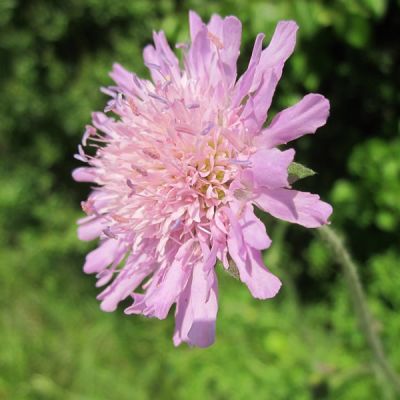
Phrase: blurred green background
(55, 343)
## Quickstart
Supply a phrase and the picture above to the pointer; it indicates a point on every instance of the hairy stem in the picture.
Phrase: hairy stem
(360, 304)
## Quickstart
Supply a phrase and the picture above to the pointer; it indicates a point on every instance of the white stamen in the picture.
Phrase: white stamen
(204, 229)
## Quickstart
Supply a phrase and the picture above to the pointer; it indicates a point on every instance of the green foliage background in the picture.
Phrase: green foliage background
(55, 343)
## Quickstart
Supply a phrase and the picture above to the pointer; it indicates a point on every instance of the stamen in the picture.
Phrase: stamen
(242, 194)
(152, 154)
(166, 84)
(89, 131)
(107, 91)
(207, 129)
(88, 207)
(204, 230)
(139, 170)
(185, 129)
(119, 218)
(176, 241)
(176, 224)
(159, 98)
(109, 233)
(81, 156)
(131, 186)
(246, 163)
(134, 107)
(216, 40)
(153, 66)
(184, 46)
(192, 106)
(136, 81)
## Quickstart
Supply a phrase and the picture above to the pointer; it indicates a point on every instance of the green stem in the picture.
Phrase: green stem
(360, 304)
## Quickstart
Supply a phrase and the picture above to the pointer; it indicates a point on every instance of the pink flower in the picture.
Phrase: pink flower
(179, 169)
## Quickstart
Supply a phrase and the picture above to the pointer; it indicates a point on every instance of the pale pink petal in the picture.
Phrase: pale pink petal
(245, 239)
(167, 56)
(232, 32)
(197, 309)
(268, 74)
(84, 174)
(256, 109)
(243, 85)
(200, 54)
(167, 284)
(153, 63)
(204, 301)
(293, 206)
(159, 299)
(90, 228)
(126, 81)
(195, 24)
(183, 315)
(128, 279)
(216, 25)
(278, 51)
(261, 283)
(270, 167)
(102, 257)
(253, 230)
(305, 117)
(247, 228)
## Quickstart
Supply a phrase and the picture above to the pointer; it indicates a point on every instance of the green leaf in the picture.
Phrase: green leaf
(297, 171)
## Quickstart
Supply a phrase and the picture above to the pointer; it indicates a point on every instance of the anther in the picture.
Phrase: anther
(207, 129)
(139, 170)
(109, 233)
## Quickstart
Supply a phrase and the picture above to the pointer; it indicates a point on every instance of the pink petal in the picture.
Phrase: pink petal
(90, 228)
(204, 303)
(197, 309)
(150, 57)
(261, 282)
(244, 83)
(166, 285)
(256, 109)
(245, 239)
(125, 80)
(183, 315)
(165, 53)
(231, 36)
(247, 228)
(84, 174)
(270, 167)
(128, 279)
(267, 75)
(195, 24)
(216, 25)
(304, 117)
(200, 54)
(278, 51)
(253, 230)
(293, 206)
(102, 257)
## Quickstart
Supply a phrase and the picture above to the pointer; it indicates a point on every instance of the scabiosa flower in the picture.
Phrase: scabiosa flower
(179, 169)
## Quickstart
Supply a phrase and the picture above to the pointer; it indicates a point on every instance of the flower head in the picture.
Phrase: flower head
(179, 169)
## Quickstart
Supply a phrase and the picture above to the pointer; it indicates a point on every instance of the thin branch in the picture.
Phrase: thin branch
(360, 304)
